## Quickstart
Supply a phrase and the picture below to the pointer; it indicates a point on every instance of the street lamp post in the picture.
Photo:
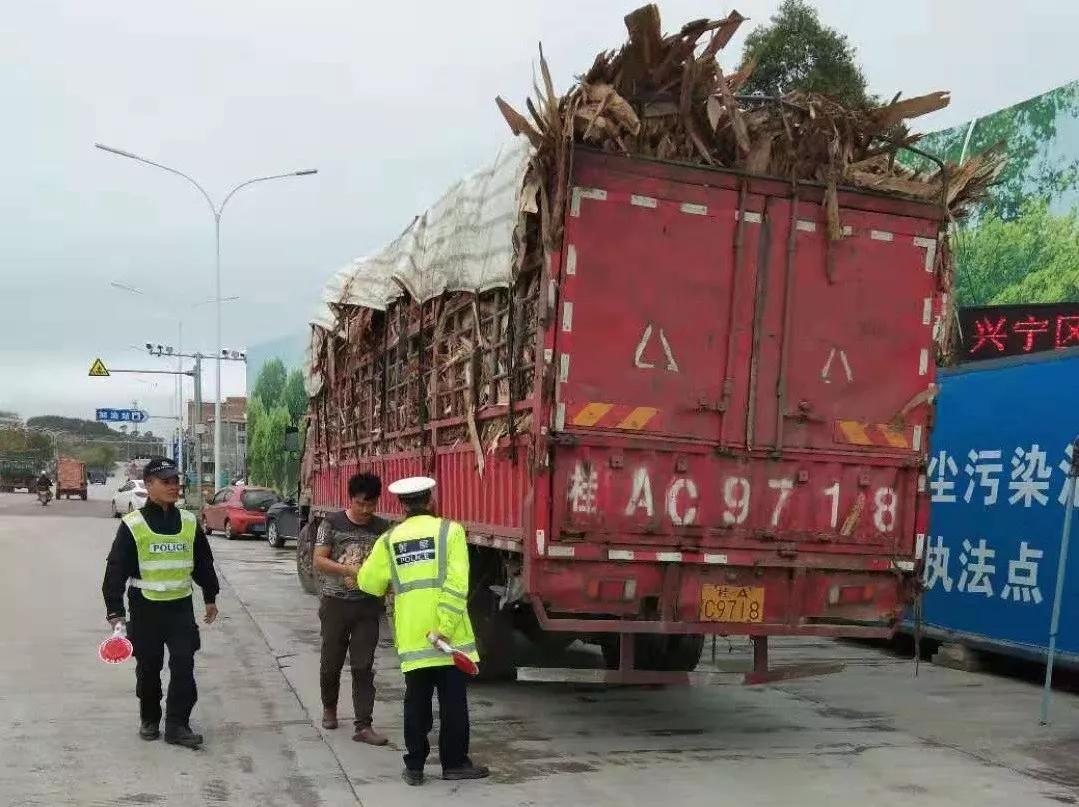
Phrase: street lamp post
(216, 210)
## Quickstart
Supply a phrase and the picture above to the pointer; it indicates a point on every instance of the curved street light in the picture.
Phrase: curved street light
(216, 210)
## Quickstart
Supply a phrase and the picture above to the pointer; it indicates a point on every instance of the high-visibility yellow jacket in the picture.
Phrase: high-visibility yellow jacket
(165, 561)
(425, 559)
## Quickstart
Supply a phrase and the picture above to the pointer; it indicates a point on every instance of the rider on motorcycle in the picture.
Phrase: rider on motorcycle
(44, 488)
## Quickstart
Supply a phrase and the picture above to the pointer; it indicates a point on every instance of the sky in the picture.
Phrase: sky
(390, 103)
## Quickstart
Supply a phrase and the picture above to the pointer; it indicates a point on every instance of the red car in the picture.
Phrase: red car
(238, 510)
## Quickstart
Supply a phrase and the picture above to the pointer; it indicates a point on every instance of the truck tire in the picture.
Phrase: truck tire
(305, 563)
(83, 495)
(548, 642)
(654, 651)
(494, 636)
(684, 652)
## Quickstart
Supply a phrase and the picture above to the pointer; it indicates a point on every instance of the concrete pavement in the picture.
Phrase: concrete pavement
(871, 735)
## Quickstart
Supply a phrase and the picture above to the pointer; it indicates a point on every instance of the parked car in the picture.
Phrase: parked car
(238, 510)
(282, 523)
(131, 496)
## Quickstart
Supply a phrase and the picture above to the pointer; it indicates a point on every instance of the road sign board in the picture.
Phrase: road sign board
(122, 415)
(98, 369)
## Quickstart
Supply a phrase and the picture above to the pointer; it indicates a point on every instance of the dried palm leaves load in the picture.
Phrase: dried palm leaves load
(444, 362)
(667, 97)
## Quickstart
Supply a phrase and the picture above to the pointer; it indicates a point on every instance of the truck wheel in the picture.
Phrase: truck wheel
(683, 652)
(305, 564)
(494, 637)
(83, 495)
(546, 641)
(654, 651)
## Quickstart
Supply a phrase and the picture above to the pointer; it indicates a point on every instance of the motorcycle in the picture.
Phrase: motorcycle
(44, 496)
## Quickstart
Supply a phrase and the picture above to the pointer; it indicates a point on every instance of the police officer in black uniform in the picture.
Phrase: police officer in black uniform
(160, 550)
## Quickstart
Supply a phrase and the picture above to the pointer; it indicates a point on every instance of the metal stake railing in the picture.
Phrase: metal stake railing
(1054, 621)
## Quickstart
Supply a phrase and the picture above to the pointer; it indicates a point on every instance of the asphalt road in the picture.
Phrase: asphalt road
(870, 735)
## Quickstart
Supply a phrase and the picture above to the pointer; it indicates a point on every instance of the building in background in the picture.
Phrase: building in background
(233, 438)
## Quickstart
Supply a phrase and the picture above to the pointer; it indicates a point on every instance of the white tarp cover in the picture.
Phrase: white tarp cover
(464, 242)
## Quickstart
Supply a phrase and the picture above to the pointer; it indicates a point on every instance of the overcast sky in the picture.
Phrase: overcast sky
(390, 101)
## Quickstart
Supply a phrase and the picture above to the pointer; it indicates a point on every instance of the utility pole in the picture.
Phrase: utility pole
(198, 428)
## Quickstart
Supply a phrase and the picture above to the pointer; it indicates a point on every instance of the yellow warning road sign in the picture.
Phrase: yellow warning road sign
(98, 369)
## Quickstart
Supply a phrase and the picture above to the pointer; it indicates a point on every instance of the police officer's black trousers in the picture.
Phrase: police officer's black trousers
(153, 627)
(420, 686)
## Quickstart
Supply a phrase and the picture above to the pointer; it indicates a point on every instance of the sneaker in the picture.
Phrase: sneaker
(411, 777)
(368, 735)
(469, 771)
(329, 718)
(182, 735)
(149, 730)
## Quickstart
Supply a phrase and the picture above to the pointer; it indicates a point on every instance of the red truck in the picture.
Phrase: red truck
(722, 430)
(70, 478)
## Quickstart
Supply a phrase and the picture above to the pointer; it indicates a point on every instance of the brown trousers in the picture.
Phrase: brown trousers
(349, 626)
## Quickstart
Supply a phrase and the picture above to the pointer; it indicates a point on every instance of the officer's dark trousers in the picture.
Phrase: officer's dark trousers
(154, 626)
(420, 686)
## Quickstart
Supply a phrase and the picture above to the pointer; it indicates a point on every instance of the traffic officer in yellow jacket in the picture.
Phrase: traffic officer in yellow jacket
(425, 559)
(158, 552)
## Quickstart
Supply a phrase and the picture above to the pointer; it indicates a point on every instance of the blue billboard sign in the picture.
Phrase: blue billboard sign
(122, 415)
(998, 479)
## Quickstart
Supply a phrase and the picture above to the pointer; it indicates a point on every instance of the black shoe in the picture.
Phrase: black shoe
(182, 735)
(149, 730)
(469, 771)
(411, 777)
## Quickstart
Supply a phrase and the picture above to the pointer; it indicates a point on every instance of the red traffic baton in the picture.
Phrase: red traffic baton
(117, 648)
(461, 661)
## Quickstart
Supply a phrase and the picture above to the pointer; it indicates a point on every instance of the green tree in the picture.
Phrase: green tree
(1032, 258)
(95, 455)
(796, 51)
(276, 423)
(295, 397)
(267, 461)
(256, 464)
(270, 384)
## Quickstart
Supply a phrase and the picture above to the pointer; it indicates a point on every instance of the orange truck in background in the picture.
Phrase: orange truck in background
(70, 478)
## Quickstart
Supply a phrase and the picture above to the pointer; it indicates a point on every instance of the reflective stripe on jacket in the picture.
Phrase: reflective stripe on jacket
(165, 561)
(425, 560)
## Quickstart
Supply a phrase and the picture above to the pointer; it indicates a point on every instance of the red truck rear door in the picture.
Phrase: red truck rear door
(729, 376)
(646, 310)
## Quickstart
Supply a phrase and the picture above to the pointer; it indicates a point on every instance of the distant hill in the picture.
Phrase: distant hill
(83, 428)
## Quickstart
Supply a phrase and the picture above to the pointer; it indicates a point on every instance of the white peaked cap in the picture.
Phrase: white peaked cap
(412, 485)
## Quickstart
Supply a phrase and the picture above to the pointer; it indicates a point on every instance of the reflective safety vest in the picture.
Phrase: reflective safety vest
(165, 561)
(425, 560)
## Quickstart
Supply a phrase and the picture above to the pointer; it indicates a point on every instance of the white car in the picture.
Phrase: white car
(131, 496)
